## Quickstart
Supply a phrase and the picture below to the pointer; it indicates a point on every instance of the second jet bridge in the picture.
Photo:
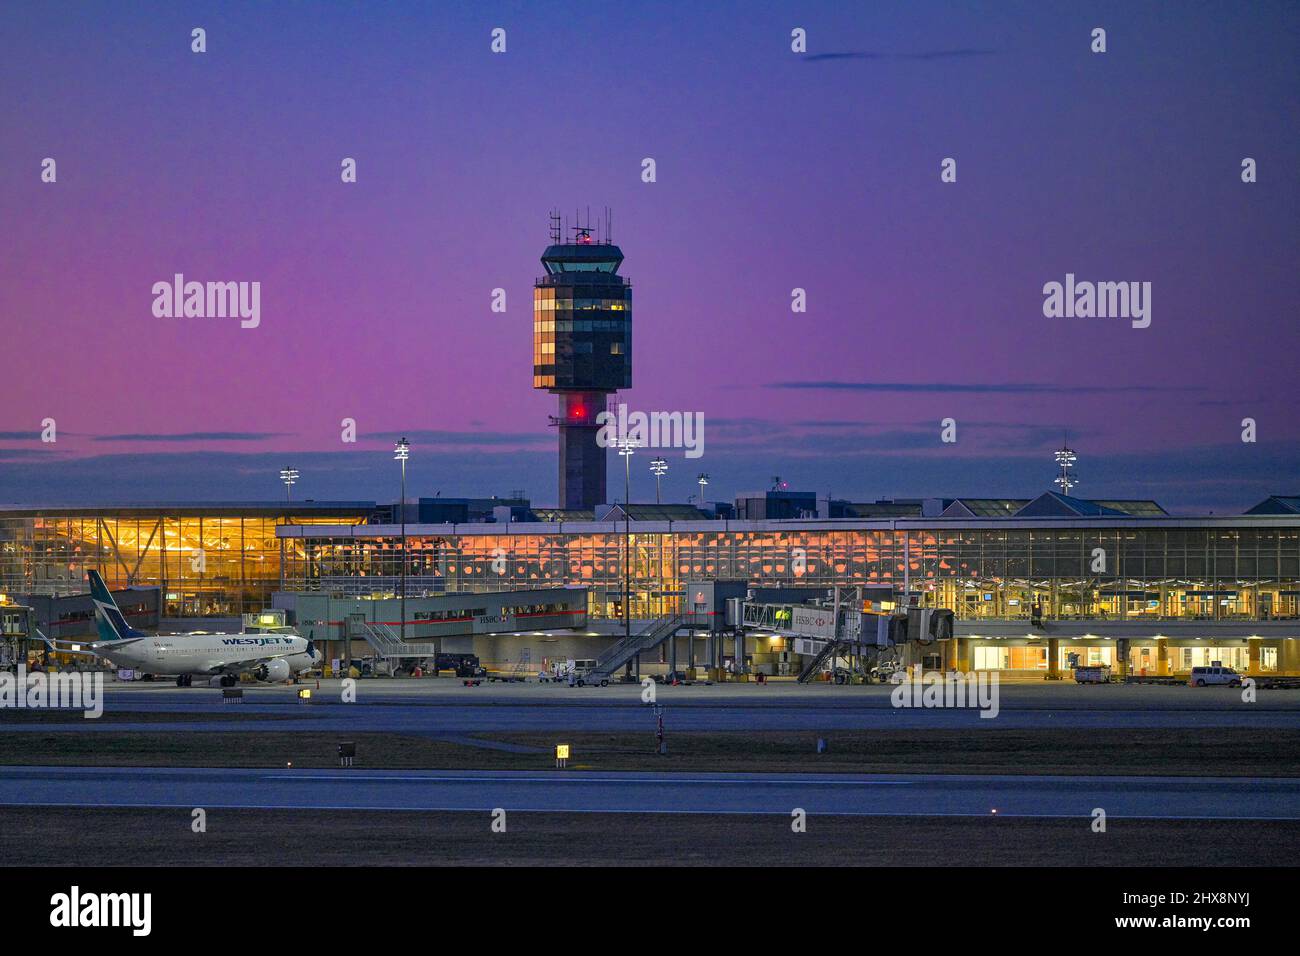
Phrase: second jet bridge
(823, 633)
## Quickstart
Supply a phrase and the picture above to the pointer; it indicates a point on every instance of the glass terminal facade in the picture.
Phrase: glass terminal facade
(1212, 570)
(209, 560)
(1222, 589)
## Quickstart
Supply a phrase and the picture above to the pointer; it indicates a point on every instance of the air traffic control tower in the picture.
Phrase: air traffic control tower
(582, 350)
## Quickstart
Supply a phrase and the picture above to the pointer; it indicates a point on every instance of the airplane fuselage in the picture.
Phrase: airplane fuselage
(176, 655)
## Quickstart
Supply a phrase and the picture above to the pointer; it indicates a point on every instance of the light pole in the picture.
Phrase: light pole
(1065, 459)
(659, 468)
(401, 452)
(625, 448)
(290, 478)
(702, 479)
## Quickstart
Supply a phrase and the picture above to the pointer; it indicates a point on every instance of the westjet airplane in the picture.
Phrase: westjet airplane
(268, 657)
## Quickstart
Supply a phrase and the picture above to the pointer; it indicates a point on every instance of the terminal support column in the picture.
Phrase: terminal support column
(1162, 658)
(1252, 656)
(1053, 658)
(1121, 652)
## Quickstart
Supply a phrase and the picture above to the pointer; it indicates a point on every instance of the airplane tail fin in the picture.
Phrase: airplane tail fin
(109, 621)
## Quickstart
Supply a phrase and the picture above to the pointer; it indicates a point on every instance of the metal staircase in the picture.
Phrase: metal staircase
(826, 653)
(388, 644)
(619, 654)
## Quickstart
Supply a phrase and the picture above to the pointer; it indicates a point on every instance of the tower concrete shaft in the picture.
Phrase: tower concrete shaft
(582, 460)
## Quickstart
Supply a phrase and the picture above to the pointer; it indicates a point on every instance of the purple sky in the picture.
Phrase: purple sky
(774, 171)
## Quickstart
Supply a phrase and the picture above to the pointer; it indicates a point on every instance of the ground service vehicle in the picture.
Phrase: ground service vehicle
(1215, 674)
(889, 672)
(1092, 674)
(582, 671)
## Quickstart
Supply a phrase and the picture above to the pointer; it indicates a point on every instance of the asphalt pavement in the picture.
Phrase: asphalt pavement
(579, 791)
(443, 706)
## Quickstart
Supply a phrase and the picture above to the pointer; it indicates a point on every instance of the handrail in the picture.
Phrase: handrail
(623, 651)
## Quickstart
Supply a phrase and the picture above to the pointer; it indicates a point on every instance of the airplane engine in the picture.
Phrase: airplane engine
(274, 671)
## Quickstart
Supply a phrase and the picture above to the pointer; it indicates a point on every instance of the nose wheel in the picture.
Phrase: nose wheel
(184, 680)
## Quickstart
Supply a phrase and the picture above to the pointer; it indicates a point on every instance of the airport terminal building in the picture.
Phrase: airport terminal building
(1055, 575)
(209, 560)
(1031, 582)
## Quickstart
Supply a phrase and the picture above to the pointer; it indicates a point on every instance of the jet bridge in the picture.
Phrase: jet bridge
(822, 632)
(807, 621)
(18, 634)
(827, 631)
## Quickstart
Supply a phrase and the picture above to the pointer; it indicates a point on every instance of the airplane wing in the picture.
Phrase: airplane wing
(243, 664)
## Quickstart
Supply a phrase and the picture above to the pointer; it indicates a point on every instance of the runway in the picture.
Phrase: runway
(590, 792)
(439, 707)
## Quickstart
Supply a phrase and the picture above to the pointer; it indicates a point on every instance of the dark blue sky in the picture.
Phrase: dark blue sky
(775, 171)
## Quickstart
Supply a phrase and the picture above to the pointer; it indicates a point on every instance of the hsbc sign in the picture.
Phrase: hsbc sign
(494, 623)
(813, 621)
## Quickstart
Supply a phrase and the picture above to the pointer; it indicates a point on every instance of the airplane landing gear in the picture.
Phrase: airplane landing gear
(184, 680)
